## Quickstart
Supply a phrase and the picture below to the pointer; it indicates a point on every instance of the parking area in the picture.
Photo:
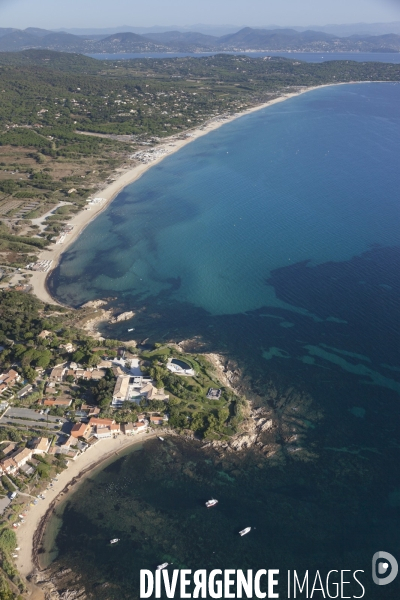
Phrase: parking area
(4, 502)
(30, 418)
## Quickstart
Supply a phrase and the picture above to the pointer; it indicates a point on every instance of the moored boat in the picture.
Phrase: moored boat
(114, 540)
(244, 531)
(160, 567)
(211, 503)
(160, 438)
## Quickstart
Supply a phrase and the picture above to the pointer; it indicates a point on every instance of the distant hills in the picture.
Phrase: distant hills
(246, 39)
(219, 30)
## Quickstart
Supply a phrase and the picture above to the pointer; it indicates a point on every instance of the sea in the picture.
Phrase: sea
(274, 241)
(313, 57)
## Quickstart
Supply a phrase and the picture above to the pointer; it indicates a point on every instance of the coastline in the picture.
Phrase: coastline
(81, 220)
(100, 447)
(29, 535)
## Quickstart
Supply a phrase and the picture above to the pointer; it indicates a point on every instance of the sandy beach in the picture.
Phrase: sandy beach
(36, 516)
(82, 219)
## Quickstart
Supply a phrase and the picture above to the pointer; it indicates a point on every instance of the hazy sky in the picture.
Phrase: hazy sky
(111, 13)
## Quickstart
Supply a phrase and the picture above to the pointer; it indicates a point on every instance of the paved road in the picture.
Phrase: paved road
(22, 423)
(29, 418)
(27, 413)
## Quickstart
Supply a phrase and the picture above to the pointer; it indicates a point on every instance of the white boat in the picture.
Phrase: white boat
(132, 328)
(160, 438)
(114, 541)
(161, 567)
(244, 531)
(211, 503)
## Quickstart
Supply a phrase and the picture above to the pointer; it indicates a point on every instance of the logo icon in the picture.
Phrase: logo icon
(384, 568)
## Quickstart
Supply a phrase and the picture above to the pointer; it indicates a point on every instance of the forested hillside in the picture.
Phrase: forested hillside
(67, 122)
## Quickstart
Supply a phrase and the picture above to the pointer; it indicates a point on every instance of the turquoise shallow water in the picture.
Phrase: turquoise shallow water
(276, 241)
(313, 178)
(283, 209)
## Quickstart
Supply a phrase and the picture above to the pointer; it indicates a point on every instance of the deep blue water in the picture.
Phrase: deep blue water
(313, 57)
(276, 241)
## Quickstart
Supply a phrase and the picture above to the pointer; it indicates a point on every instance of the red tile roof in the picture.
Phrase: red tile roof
(95, 422)
(79, 429)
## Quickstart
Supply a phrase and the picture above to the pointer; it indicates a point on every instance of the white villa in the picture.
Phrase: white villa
(129, 388)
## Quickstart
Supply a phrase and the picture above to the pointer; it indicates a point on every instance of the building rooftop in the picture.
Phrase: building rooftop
(57, 402)
(7, 463)
(78, 430)
(121, 387)
(95, 422)
(9, 448)
(127, 426)
(23, 454)
(214, 394)
(69, 441)
(41, 443)
(156, 418)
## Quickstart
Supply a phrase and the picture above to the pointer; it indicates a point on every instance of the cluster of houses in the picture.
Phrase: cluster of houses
(16, 458)
(8, 380)
(82, 435)
(60, 372)
(129, 387)
(106, 428)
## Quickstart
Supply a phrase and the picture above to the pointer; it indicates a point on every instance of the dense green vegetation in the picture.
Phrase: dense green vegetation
(16, 243)
(188, 406)
(23, 318)
(67, 120)
(57, 93)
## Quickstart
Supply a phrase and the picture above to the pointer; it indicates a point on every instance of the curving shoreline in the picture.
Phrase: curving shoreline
(30, 534)
(39, 514)
(83, 218)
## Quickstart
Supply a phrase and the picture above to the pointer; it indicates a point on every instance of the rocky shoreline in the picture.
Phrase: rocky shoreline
(276, 430)
(52, 585)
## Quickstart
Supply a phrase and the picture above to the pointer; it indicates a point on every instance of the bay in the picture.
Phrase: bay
(313, 57)
(275, 241)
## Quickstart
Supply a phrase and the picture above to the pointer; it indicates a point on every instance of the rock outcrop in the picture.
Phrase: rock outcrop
(125, 316)
(52, 585)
